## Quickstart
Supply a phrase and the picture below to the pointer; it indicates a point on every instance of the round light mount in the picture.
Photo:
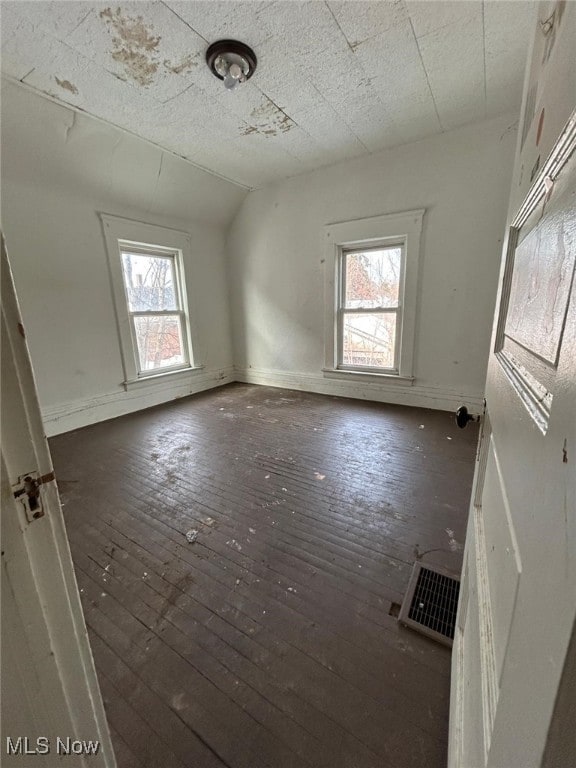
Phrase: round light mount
(231, 61)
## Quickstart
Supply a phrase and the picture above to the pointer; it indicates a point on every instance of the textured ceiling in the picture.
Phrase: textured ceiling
(334, 79)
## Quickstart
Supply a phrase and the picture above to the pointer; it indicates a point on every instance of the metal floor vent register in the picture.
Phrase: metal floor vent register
(431, 603)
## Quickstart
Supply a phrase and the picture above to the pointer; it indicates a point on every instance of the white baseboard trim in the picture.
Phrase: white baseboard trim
(80, 413)
(419, 396)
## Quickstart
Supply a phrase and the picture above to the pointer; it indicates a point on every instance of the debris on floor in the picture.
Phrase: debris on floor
(318, 476)
(454, 545)
(191, 536)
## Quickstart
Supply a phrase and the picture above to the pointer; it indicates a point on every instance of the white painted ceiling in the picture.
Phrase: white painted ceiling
(334, 79)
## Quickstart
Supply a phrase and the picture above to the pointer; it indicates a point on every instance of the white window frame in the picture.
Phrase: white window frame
(398, 229)
(342, 310)
(122, 235)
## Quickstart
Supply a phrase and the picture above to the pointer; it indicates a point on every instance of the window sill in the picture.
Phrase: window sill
(156, 378)
(368, 376)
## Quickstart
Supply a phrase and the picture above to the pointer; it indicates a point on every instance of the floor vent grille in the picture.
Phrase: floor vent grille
(431, 603)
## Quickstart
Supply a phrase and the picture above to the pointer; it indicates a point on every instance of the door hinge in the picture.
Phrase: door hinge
(27, 490)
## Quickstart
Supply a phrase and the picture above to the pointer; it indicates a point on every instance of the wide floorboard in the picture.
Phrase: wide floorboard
(270, 640)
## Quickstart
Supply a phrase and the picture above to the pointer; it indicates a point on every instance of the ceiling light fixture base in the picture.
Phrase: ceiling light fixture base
(231, 61)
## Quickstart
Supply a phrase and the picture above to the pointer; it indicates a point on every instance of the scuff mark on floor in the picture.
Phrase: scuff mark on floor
(179, 702)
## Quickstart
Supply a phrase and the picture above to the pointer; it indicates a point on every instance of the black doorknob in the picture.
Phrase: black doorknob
(463, 417)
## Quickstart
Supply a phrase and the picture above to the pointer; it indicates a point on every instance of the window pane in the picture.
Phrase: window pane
(373, 278)
(369, 340)
(159, 339)
(149, 282)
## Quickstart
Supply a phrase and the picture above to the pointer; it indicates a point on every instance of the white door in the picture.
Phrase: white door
(512, 652)
(51, 706)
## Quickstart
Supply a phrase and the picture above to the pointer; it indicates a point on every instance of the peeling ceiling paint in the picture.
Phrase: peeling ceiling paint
(133, 45)
(334, 80)
(67, 85)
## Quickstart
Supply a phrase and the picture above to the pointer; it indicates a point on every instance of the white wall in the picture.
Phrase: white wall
(276, 253)
(58, 170)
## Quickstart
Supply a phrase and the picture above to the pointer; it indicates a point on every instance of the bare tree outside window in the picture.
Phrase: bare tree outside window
(370, 305)
(154, 304)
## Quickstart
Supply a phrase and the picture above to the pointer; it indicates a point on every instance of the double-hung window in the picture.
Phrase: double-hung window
(370, 309)
(158, 324)
(149, 285)
(371, 281)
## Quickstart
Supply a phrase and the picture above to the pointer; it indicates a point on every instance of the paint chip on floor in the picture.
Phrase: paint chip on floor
(179, 701)
(318, 476)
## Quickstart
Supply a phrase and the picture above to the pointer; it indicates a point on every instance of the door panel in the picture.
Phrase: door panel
(521, 542)
(511, 659)
(48, 681)
(503, 564)
(531, 393)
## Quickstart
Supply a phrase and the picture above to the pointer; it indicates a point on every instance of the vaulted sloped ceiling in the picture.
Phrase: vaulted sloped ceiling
(334, 79)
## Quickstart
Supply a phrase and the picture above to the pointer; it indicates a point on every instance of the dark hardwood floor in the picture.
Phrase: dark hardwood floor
(268, 641)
